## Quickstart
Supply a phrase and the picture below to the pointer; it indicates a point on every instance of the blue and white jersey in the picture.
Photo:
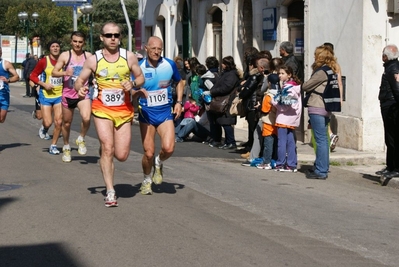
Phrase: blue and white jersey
(4, 88)
(158, 82)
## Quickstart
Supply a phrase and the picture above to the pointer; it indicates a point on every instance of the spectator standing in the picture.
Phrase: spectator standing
(288, 103)
(324, 69)
(269, 131)
(30, 64)
(334, 137)
(389, 105)
(248, 92)
(227, 82)
(289, 59)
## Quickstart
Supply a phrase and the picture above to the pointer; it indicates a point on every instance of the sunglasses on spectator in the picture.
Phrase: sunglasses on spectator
(112, 35)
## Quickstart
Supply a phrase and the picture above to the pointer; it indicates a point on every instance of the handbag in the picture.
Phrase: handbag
(237, 107)
(219, 103)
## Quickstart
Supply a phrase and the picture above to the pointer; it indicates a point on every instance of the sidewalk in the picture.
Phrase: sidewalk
(366, 163)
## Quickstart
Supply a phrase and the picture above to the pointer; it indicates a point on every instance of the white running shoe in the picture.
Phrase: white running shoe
(110, 199)
(43, 133)
(66, 155)
(82, 150)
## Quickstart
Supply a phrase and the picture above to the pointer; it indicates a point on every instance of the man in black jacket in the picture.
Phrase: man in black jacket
(287, 55)
(30, 64)
(389, 104)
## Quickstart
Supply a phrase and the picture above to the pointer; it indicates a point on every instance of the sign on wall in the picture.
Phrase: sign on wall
(269, 24)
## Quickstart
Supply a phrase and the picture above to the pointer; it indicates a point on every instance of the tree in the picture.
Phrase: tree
(111, 10)
(53, 22)
(57, 22)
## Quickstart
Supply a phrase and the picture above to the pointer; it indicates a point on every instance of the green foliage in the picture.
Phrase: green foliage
(57, 22)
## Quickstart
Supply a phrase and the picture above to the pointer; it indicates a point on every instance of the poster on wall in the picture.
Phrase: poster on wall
(299, 46)
(269, 24)
(10, 44)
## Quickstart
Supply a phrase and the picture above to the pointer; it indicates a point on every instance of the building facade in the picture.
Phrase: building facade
(359, 31)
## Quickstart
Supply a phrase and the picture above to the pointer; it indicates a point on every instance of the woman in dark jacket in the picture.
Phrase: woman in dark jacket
(249, 95)
(228, 80)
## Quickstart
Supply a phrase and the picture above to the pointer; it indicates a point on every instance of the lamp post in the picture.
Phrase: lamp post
(87, 9)
(24, 19)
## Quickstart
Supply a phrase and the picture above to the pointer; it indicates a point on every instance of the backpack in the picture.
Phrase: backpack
(331, 94)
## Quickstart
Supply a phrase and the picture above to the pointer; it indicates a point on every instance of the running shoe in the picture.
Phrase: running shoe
(43, 133)
(246, 163)
(53, 150)
(279, 168)
(157, 175)
(145, 188)
(264, 166)
(66, 157)
(82, 150)
(110, 199)
(333, 142)
(288, 169)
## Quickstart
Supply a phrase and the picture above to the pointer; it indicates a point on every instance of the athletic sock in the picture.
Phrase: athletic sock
(147, 178)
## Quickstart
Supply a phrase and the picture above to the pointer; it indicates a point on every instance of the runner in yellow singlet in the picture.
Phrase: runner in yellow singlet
(112, 109)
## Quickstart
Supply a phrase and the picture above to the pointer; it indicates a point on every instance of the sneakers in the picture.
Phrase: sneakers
(264, 166)
(333, 141)
(246, 163)
(110, 199)
(157, 174)
(66, 157)
(285, 169)
(82, 150)
(214, 144)
(43, 133)
(53, 150)
(145, 188)
(288, 169)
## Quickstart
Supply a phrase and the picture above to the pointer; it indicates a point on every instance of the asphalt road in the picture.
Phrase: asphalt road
(210, 211)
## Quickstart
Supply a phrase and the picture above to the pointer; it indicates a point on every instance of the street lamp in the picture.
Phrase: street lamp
(87, 9)
(24, 19)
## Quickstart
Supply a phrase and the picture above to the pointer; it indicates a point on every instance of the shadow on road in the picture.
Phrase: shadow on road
(128, 190)
(5, 146)
(49, 254)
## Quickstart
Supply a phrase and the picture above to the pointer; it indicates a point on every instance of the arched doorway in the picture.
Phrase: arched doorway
(217, 20)
(295, 18)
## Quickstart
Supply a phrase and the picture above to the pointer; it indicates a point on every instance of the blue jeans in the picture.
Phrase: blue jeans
(269, 148)
(183, 124)
(319, 126)
(193, 127)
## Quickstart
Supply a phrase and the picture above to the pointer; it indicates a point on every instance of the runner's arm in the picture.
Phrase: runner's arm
(10, 68)
(88, 68)
(58, 68)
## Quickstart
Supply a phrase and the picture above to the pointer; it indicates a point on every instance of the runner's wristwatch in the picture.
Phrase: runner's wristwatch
(180, 102)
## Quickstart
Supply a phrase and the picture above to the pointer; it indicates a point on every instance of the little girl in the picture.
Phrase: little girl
(288, 114)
